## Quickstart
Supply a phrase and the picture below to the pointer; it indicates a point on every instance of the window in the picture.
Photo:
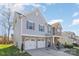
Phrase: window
(41, 28)
(53, 31)
(30, 25)
(32, 40)
(27, 39)
(49, 30)
(38, 39)
(58, 30)
(15, 21)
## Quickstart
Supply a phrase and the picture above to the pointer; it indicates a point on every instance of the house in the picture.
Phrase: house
(57, 32)
(76, 40)
(68, 37)
(32, 31)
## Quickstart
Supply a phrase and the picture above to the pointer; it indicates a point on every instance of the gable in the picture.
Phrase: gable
(36, 16)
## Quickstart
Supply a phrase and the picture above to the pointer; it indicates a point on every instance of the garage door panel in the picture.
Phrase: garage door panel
(30, 45)
(41, 44)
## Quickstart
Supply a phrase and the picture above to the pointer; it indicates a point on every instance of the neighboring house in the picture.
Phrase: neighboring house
(33, 31)
(76, 40)
(57, 32)
(57, 29)
(68, 37)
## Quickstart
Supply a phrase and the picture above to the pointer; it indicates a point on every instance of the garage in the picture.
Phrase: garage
(41, 43)
(34, 43)
(30, 44)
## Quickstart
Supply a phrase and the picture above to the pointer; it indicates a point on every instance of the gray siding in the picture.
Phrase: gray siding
(37, 20)
(17, 32)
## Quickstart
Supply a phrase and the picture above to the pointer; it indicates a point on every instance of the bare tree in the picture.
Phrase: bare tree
(6, 21)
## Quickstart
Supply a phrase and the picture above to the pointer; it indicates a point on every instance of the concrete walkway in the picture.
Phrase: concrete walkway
(47, 52)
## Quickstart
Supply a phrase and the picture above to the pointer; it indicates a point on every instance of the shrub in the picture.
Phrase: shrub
(68, 45)
(75, 44)
(6, 41)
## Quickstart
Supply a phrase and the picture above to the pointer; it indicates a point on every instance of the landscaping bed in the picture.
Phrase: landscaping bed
(11, 50)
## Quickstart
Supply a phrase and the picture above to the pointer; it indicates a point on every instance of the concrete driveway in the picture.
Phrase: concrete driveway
(47, 52)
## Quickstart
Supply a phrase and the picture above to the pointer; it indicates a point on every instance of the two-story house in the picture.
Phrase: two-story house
(68, 37)
(32, 31)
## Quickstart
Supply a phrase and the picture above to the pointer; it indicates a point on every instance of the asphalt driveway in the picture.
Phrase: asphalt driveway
(47, 52)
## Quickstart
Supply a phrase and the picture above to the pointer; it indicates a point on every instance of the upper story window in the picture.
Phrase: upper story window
(41, 28)
(54, 31)
(49, 30)
(30, 25)
(58, 30)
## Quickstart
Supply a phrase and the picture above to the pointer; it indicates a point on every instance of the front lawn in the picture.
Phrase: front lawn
(11, 50)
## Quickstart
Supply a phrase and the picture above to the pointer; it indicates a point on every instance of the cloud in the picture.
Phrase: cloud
(32, 4)
(35, 5)
(49, 4)
(77, 4)
(39, 6)
(75, 14)
(54, 21)
(75, 22)
(18, 7)
(13, 6)
(44, 8)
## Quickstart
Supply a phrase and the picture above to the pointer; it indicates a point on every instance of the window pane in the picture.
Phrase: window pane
(30, 25)
(41, 28)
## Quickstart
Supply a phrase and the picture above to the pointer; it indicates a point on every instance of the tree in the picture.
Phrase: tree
(6, 22)
(6, 13)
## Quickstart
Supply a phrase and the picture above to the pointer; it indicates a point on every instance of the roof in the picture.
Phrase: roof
(57, 25)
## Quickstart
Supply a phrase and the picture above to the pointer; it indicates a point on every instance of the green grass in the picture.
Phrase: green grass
(10, 50)
(2, 46)
(76, 47)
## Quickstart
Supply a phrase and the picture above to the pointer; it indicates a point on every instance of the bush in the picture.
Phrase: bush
(6, 41)
(75, 44)
(68, 45)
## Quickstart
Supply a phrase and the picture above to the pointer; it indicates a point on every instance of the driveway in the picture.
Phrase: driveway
(47, 52)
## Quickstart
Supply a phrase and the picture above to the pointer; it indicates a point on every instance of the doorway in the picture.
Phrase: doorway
(49, 43)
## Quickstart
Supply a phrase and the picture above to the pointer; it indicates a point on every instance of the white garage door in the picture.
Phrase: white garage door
(41, 44)
(30, 45)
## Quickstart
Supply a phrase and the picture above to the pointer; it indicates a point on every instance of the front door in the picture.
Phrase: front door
(49, 43)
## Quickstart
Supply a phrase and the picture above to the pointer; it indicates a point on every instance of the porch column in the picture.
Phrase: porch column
(36, 42)
(46, 42)
(54, 47)
(53, 40)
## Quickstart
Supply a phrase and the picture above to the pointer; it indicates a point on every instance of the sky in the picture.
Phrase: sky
(65, 13)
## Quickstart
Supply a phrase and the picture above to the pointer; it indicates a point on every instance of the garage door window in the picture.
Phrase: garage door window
(39, 40)
(42, 39)
(32, 40)
(27, 39)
